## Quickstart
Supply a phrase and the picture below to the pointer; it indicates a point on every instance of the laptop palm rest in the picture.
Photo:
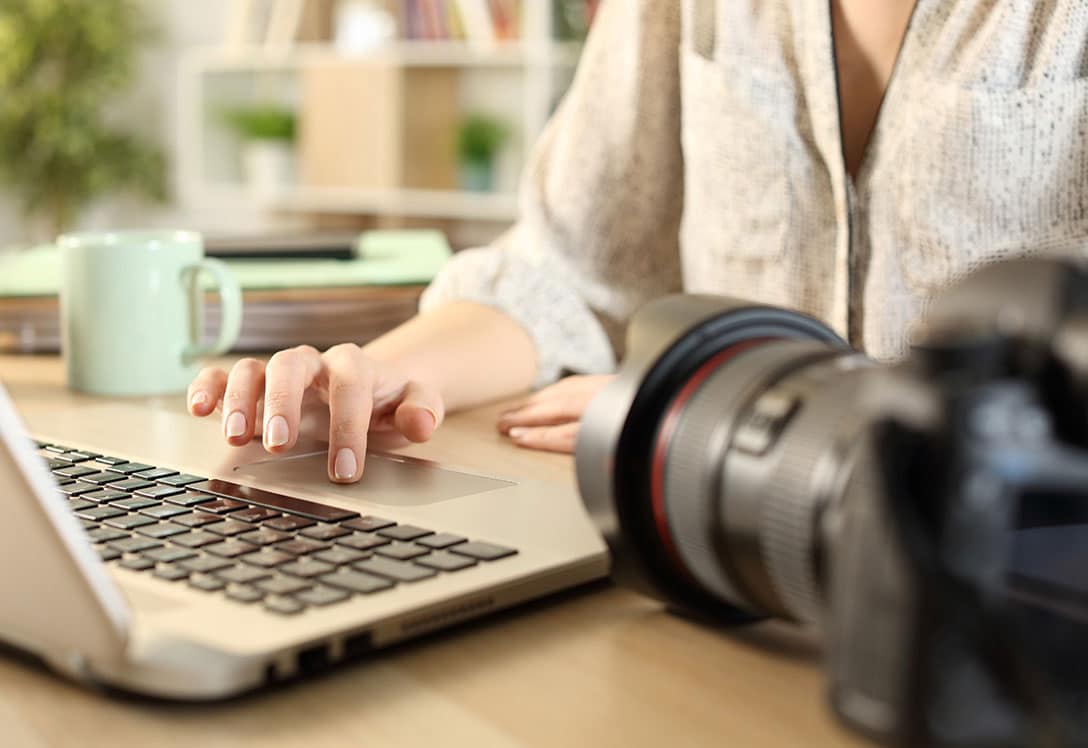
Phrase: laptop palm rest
(387, 480)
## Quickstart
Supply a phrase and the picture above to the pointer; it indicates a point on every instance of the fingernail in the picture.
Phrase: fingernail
(236, 424)
(517, 432)
(276, 433)
(345, 465)
(434, 417)
(200, 397)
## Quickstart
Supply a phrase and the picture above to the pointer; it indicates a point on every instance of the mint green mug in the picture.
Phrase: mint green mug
(132, 310)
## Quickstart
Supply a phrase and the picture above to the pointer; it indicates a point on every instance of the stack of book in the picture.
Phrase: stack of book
(285, 302)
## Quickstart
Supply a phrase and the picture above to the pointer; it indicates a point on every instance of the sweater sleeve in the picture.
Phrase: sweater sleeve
(600, 201)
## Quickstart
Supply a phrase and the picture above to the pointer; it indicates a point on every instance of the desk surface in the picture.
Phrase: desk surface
(596, 666)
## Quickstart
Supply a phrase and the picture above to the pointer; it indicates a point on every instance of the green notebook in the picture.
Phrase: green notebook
(385, 258)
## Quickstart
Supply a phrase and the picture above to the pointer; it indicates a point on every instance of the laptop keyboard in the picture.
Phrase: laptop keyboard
(250, 545)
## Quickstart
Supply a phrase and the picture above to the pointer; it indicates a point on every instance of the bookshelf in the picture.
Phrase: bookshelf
(517, 80)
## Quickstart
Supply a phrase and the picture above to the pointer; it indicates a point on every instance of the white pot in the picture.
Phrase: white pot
(269, 166)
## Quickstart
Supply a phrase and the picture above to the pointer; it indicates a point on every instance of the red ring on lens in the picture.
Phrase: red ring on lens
(664, 438)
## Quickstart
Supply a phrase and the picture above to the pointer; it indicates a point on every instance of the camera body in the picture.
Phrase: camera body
(746, 463)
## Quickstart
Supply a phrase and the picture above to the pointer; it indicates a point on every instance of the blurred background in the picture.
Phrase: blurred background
(263, 121)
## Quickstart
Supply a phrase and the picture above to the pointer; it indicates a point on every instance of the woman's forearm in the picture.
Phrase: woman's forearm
(471, 353)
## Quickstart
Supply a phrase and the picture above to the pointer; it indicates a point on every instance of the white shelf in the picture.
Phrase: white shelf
(480, 206)
(407, 53)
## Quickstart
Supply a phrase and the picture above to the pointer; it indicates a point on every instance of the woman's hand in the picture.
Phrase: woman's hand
(549, 419)
(364, 401)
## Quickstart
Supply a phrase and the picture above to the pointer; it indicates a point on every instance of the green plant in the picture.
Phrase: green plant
(262, 122)
(62, 62)
(479, 137)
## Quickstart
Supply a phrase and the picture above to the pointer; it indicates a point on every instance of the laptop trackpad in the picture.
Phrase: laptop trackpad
(390, 480)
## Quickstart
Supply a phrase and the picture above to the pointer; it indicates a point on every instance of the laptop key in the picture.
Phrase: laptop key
(307, 568)
(104, 495)
(129, 521)
(164, 511)
(355, 581)
(155, 473)
(281, 584)
(254, 514)
(361, 541)
(288, 523)
(338, 556)
(76, 504)
(158, 492)
(87, 525)
(242, 574)
(195, 539)
(127, 468)
(107, 460)
(221, 506)
(131, 484)
(75, 471)
(229, 527)
(189, 498)
(322, 595)
(441, 540)
(108, 554)
(76, 489)
(367, 524)
(169, 555)
(283, 605)
(137, 563)
(133, 503)
(182, 479)
(134, 545)
(206, 582)
(162, 530)
(265, 536)
(231, 548)
(399, 571)
(197, 519)
(444, 561)
(101, 478)
(301, 546)
(105, 534)
(268, 557)
(170, 573)
(100, 513)
(483, 551)
(402, 551)
(204, 564)
(324, 532)
(54, 448)
(244, 593)
(404, 532)
(76, 456)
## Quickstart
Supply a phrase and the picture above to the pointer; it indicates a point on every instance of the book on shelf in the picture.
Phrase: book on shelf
(319, 302)
(484, 22)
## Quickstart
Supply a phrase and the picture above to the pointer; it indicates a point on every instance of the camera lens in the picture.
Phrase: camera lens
(709, 462)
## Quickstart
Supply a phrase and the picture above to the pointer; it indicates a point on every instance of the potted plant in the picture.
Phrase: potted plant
(479, 139)
(267, 132)
(62, 65)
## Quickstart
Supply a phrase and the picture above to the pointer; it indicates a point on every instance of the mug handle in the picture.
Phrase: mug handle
(230, 305)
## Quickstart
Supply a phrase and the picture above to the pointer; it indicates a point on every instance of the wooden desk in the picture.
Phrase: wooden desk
(597, 666)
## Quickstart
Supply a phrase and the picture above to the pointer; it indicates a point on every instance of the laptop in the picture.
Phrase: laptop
(142, 554)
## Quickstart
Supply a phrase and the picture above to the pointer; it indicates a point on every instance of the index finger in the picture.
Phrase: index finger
(351, 402)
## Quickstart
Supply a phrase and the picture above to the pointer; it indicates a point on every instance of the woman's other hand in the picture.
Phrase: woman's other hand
(549, 419)
(364, 402)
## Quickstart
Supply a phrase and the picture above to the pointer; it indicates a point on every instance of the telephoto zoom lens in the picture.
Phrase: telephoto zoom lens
(709, 462)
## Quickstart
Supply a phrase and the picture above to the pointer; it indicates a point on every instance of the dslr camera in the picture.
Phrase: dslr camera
(930, 517)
